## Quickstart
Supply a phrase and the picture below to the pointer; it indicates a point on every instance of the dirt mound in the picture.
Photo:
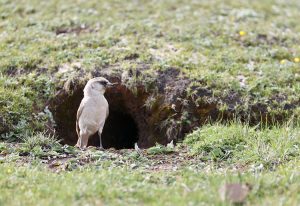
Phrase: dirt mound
(148, 108)
(137, 113)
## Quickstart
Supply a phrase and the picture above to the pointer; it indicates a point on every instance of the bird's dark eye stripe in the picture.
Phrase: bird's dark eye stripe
(103, 82)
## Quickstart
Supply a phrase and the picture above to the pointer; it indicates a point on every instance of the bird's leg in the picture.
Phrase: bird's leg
(78, 144)
(82, 140)
(99, 133)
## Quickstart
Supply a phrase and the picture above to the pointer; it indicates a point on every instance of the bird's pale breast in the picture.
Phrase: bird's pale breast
(93, 114)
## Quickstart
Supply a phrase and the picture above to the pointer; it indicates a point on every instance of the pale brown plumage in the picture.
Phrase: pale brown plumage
(93, 111)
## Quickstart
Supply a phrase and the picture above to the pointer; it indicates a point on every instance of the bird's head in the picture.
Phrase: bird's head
(97, 85)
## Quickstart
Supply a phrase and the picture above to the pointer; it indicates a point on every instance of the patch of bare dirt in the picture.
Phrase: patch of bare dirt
(73, 30)
(160, 162)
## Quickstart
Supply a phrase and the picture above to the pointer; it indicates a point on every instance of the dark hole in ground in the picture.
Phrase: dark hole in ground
(120, 131)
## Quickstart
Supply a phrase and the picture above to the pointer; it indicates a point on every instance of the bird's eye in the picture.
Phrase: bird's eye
(104, 83)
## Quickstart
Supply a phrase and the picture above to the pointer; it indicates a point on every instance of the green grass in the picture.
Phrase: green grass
(244, 145)
(35, 185)
(236, 49)
(265, 159)
(201, 39)
(160, 149)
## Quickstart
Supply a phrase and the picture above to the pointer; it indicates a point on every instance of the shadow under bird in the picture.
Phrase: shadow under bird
(93, 111)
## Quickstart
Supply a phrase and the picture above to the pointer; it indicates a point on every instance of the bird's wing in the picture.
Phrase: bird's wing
(79, 112)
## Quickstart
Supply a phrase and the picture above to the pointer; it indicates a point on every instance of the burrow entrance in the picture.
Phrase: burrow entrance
(137, 114)
(144, 115)
(125, 125)
(120, 131)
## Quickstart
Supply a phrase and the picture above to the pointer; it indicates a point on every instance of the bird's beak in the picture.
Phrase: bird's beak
(109, 84)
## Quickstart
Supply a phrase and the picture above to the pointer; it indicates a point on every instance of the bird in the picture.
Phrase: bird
(93, 111)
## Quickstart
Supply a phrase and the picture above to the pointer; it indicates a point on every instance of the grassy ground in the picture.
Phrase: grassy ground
(40, 171)
(247, 48)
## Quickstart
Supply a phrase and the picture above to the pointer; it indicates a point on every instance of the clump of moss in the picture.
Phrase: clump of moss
(241, 143)
(22, 105)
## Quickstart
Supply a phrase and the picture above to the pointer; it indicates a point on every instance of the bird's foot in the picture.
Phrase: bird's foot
(80, 148)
